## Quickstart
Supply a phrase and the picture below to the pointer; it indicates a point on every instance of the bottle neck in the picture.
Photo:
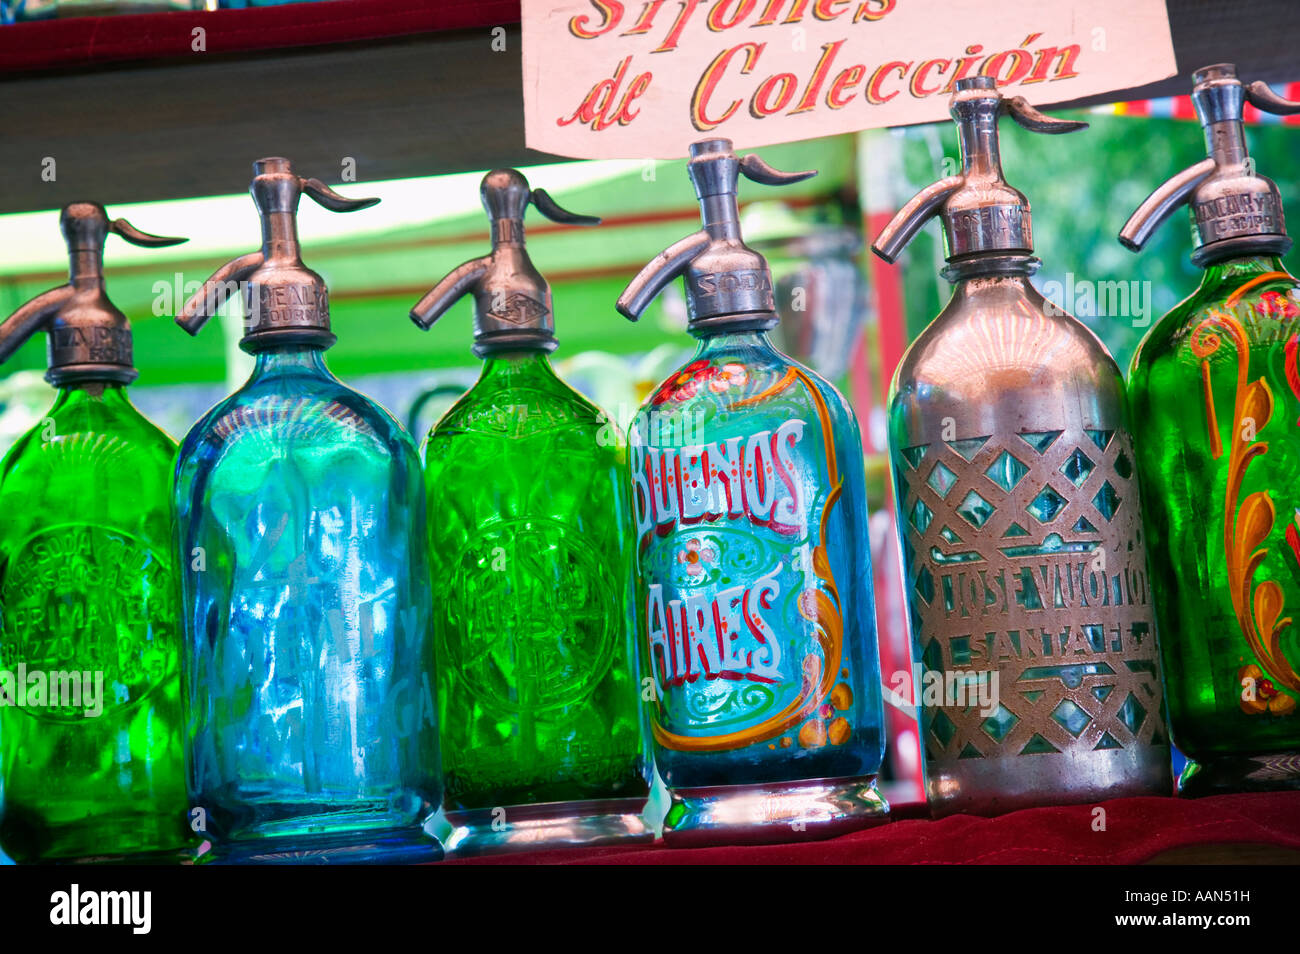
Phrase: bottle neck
(507, 232)
(517, 367)
(1012, 267)
(720, 214)
(1233, 271)
(732, 340)
(111, 393)
(286, 361)
(1225, 141)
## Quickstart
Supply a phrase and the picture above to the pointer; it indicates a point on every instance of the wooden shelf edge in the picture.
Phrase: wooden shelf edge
(85, 43)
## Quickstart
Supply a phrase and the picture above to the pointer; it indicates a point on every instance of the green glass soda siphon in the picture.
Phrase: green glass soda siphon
(528, 520)
(1215, 391)
(90, 713)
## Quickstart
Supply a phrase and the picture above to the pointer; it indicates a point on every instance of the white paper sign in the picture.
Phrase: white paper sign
(644, 79)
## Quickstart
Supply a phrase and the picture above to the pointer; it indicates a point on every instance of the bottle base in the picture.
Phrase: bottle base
(761, 814)
(382, 847)
(483, 831)
(995, 786)
(167, 857)
(138, 839)
(1278, 772)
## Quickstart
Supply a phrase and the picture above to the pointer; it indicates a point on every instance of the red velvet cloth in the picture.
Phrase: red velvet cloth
(80, 42)
(1137, 829)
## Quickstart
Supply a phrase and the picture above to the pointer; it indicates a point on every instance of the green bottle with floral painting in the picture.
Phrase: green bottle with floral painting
(1215, 393)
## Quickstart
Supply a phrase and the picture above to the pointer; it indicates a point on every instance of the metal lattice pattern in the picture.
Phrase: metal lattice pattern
(1002, 534)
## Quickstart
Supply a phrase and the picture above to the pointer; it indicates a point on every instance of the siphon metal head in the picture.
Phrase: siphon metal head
(285, 302)
(89, 338)
(1234, 209)
(728, 284)
(981, 213)
(512, 301)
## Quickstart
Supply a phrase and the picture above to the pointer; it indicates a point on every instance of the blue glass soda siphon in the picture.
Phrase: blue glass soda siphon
(311, 725)
(756, 618)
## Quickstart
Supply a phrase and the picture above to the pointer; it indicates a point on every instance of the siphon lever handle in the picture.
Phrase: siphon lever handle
(145, 240)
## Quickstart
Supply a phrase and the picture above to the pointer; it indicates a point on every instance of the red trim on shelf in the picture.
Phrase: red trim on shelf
(85, 42)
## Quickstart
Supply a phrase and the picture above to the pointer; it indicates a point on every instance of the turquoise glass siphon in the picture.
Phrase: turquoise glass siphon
(755, 613)
(529, 529)
(91, 765)
(311, 722)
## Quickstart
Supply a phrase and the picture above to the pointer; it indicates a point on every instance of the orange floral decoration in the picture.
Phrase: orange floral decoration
(1247, 523)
